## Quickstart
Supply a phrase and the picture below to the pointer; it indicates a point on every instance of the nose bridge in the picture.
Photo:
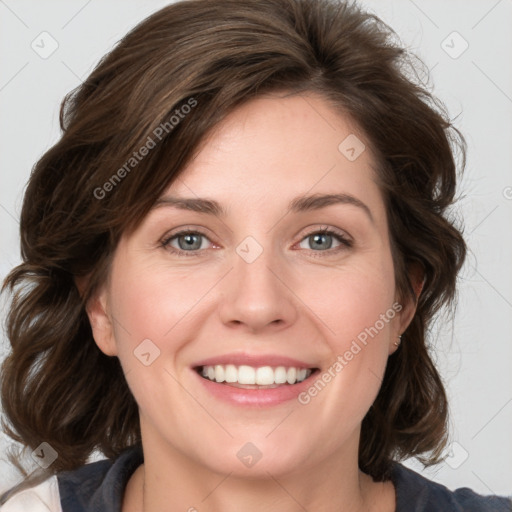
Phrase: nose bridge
(257, 295)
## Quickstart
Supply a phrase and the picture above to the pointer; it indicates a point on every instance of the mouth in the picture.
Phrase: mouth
(254, 380)
(255, 377)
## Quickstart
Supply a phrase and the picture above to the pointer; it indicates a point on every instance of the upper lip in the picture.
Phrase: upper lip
(255, 360)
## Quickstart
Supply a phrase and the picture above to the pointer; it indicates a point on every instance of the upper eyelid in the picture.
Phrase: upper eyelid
(329, 229)
(183, 231)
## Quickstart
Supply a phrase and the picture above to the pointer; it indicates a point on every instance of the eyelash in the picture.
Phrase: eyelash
(345, 242)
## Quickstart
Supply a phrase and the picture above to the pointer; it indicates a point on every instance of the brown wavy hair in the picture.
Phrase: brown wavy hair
(214, 55)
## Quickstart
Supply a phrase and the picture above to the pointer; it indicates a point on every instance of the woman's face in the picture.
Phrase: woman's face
(252, 289)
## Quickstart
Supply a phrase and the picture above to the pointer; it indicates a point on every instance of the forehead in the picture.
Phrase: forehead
(277, 147)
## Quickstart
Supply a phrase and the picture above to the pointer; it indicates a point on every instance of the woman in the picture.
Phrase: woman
(176, 308)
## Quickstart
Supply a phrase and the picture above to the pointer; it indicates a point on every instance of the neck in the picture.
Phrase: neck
(192, 487)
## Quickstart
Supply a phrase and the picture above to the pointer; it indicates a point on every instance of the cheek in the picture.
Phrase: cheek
(358, 311)
(154, 302)
(349, 300)
(155, 312)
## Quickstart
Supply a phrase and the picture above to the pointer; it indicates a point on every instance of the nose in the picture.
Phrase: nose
(258, 295)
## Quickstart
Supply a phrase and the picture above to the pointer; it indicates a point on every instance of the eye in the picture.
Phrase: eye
(322, 241)
(185, 243)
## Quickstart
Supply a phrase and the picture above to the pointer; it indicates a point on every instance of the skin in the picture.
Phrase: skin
(295, 299)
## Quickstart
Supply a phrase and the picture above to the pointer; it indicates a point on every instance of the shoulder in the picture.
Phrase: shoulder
(43, 497)
(415, 493)
(95, 486)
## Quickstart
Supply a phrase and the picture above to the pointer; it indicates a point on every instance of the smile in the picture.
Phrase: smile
(254, 377)
(254, 380)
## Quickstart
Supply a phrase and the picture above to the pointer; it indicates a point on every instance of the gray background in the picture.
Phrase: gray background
(474, 352)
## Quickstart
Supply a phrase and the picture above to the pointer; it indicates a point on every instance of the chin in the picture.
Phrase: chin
(257, 460)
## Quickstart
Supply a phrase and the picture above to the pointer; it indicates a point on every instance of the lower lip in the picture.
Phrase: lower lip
(256, 397)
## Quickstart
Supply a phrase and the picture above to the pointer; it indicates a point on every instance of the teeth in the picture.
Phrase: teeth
(280, 375)
(265, 376)
(262, 376)
(231, 373)
(220, 374)
(291, 375)
(246, 375)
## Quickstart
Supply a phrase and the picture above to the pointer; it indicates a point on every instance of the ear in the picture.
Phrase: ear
(101, 321)
(408, 311)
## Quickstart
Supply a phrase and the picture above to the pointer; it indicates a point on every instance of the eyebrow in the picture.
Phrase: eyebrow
(297, 205)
